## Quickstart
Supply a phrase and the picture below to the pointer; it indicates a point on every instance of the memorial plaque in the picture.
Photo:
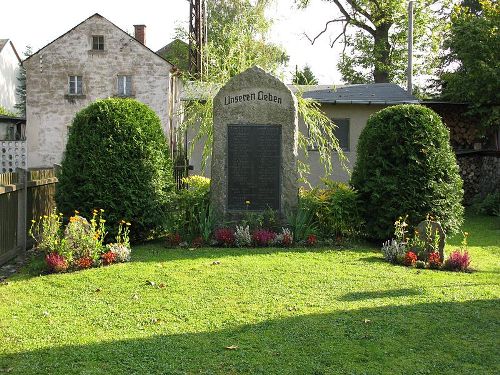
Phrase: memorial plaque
(254, 153)
(254, 167)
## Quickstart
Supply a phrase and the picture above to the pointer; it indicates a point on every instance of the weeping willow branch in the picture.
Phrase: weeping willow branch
(198, 119)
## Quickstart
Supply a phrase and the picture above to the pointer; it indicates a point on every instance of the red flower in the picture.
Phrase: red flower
(434, 260)
(458, 261)
(410, 259)
(224, 237)
(108, 257)
(287, 240)
(197, 242)
(311, 240)
(84, 263)
(174, 239)
(56, 262)
(263, 237)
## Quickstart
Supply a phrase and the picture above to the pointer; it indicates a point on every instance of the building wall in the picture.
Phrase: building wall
(357, 114)
(9, 69)
(50, 109)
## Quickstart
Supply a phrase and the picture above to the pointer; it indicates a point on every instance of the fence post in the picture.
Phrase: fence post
(22, 207)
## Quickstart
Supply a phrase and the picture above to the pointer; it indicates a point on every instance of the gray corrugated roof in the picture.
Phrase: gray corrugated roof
(375, 93)
(3, 42)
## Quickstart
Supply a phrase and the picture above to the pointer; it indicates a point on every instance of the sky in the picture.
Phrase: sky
(37, 23)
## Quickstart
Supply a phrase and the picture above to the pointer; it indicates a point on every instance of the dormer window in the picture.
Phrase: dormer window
(98, 42)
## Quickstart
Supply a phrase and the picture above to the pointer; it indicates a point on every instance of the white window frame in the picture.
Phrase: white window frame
(127, 84)
(77, 82)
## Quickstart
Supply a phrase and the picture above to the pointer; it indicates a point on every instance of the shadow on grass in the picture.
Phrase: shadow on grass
(392, 293)
(437, 338)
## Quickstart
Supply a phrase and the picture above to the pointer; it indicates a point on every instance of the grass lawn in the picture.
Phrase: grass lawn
(284, 311)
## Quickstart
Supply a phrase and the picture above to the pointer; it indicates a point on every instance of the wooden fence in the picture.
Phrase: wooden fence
(24, 195)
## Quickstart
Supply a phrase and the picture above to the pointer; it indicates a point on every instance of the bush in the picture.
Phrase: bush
(334, 208)
(405, 164)
(263, 237)
(458, 261)
(190, 214)
(225, 237)
(393, 251)
(489, 205)
(117, 158)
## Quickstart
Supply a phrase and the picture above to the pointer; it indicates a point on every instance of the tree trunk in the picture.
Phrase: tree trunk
(381, 54)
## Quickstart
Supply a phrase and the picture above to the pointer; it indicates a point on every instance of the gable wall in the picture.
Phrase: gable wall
(50, 109)
(9, 69)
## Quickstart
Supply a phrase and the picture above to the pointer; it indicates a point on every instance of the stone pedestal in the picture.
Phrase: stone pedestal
(255, 139)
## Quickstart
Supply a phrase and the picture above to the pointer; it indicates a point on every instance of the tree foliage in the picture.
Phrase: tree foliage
(374, 37)
(237, 40)
(473, 44)
(304, 77)
(5, 112)
(406, 166)
(21, 86)
(117, 159)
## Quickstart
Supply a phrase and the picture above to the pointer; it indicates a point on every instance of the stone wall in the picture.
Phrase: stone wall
(480, 172)
(50, 109)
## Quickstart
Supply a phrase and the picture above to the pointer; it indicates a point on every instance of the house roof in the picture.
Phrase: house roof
(3, 43)
(375, 93)
(12, 119)
(98, 15)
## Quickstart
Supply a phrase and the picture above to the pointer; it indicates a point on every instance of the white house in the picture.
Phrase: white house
(94, 60)
(9, 68)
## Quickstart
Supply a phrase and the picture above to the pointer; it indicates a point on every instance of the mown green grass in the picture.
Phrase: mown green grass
(289, 311)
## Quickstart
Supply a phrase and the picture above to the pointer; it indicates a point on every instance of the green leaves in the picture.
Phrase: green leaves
(394, 177)
(117, 159)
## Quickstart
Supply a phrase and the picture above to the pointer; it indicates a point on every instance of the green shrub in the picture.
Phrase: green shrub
(117, 159)
(405, 165)
(190, 215)
(489, 205)
(334, 208)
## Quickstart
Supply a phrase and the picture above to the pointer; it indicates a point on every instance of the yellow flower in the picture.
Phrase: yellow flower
(33, 221)
(466, 233)
(77, 212)
(128, 224)
(247, 202)
(101, 210)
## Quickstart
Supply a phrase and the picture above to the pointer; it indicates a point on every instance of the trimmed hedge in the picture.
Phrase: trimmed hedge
(117, 159)
(405, 166)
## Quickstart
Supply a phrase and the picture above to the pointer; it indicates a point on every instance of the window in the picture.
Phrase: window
(124, 86)
(75, 85)
(342, 132)
(98, 43)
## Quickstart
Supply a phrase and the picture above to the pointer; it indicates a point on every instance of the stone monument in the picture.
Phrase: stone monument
(255, 138)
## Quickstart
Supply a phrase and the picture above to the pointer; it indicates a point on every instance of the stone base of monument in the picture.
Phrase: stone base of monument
(255, 139)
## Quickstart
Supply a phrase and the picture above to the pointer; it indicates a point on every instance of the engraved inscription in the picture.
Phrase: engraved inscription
(254, 165)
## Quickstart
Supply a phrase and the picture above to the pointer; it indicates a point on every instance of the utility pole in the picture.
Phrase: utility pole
(410, 49)
(197, 36)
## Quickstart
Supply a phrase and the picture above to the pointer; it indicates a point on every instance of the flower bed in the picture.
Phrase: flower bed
(79, 244)
(413, 252)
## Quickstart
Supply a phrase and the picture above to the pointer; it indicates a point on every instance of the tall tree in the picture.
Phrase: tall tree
(237, 40)
(374, 35)
(21, 85)
(304, 77)
(471, 70)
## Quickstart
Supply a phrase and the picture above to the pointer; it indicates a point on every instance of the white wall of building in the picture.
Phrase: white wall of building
(9, 69)
(50, 108)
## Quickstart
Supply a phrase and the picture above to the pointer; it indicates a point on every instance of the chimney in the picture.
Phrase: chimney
(140, 33)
